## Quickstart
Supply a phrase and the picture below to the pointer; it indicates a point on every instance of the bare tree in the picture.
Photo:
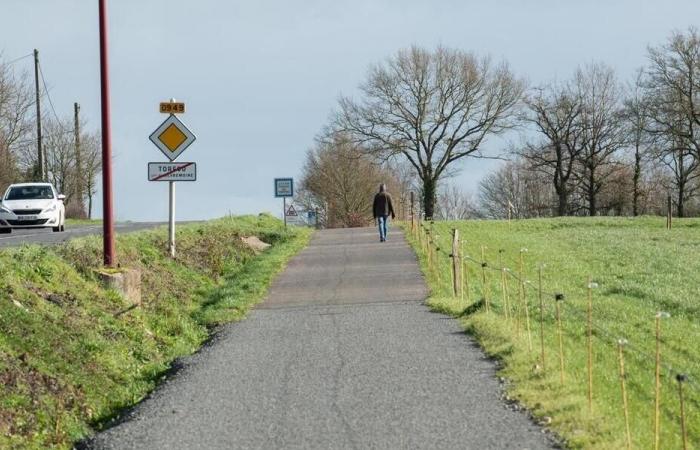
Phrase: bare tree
(61, 163)
(16, 123)
(683, 166)
(636, 119)
(456, 204)
(514, 187)
(602, 129)
(60, 156)
(615, 197)
(341, 180)
(671, 83)
(91, 154)
(403, 181)
(433, 108)
(555, 111)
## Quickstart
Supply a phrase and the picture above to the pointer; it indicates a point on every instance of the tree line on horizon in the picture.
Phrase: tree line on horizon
(588, 145)
(72, 161)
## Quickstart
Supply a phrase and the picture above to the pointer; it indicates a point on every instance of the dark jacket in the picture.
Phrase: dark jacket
(382, 205)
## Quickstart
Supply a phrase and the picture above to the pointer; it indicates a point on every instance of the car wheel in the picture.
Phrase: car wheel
(56, 229)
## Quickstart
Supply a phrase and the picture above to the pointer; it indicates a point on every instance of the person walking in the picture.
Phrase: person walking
(382, 209)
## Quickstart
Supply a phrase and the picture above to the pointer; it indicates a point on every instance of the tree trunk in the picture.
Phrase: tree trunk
(682, 178)
(429, 196)
(561, 190)
(563, 196)
(592, 207)
(635, 181)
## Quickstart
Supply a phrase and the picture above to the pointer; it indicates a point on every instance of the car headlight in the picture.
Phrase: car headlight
(50, 208)
(5, 210)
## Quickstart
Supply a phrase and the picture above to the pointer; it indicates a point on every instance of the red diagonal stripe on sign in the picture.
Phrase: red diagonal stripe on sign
(171, 172)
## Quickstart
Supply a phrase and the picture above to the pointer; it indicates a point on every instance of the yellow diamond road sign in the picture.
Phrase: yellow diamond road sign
(172, 137)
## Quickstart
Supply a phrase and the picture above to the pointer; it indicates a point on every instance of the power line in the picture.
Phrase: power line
(27, 141)
(46, 89)
(18, 59)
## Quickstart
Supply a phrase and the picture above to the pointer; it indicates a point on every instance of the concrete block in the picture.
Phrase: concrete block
(125, 281)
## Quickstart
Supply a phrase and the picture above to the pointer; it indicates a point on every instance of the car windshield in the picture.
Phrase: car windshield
(30, 193)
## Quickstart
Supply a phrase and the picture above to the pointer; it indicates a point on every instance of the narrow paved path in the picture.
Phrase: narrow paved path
(342, 355)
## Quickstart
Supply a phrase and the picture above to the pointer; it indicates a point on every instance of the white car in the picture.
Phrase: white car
(32, 205)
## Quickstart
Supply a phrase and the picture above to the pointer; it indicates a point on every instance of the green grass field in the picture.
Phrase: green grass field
(73, 355)
(639, 267)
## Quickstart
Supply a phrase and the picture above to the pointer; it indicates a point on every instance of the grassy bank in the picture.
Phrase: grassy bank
(638, 268)
(73, 354)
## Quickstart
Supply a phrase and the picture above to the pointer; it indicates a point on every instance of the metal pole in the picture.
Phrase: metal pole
(108, 212)
(171, 219)
(284, 210)
(171, 212)
(40, 153)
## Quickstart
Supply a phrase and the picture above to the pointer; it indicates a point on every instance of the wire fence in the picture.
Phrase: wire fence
(553, 318)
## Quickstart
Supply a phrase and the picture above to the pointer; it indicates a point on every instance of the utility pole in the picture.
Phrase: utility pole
(39, 170)
(107, 209)
(78, 161)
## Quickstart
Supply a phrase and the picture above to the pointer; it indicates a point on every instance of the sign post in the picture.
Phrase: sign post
(172, 137)
(284, 187)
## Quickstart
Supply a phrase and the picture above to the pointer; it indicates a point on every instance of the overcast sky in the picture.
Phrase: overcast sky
(260, 78)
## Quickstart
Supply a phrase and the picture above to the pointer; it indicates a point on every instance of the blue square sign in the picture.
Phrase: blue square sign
(284, 187)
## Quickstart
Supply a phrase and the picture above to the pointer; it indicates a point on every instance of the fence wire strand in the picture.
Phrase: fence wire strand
(611, 338)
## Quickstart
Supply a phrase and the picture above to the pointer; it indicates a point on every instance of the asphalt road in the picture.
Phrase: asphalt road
(343, 354)
(47, 237)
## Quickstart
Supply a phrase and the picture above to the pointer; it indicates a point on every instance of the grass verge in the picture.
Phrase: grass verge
(72, 354)
(639, 268)
(82, 222)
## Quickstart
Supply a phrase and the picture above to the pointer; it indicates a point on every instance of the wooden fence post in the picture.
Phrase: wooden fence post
(589, 339)
(413, 215)
(558, 298)
(539, 291)
(456, 261)
(681, 378)
(484, 283)
(628, 435)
